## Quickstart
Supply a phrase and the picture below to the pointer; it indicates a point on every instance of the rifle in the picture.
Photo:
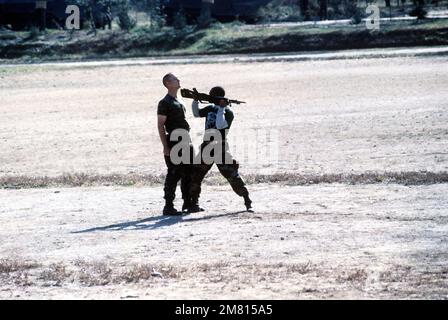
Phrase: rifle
(203, 97)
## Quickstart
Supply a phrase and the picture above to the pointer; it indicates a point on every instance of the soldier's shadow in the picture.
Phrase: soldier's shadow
(155, 222)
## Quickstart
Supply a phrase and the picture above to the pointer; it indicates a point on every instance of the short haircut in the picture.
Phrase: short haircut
(166, 78)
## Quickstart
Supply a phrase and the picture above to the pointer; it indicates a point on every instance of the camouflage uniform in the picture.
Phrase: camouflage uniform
(228, 170)
(228, 166)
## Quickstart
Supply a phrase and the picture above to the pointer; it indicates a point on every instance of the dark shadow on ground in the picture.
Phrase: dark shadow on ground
(155, 222)
(147, 223)
(192, 219)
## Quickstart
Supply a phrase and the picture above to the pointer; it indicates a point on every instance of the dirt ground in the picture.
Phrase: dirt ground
(330, 116)
(326, 241)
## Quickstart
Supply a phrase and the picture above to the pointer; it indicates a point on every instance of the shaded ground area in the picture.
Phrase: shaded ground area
(326, 241)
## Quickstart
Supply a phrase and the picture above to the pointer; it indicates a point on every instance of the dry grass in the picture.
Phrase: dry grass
(23, 279)
(15, 265)
(94, 274)
(77, 180)
(300, 268)
(17, 271)
(140, 272)
(296, 179)
(137, 273)
(102, 273)
(404, 178)
(55, 274)
(397, 274)
(358, 276)
(226, 272)
(306, 277)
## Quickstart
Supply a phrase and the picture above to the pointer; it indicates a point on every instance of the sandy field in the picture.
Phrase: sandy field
(320, 241)
(327, 241)
(330, 116)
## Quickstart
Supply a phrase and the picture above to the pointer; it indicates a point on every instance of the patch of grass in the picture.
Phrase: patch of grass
(287, 178)
(17, 271)
(102, 273)
(404, 178)
(358, 276)
(227, 272)
(20, 70)
(15, 265)
(210, 267)
(394, 280)
(78, 180)
(140, 272)
(23, 279)
(302, 268)
(397, 274)
(94, 274)
(55, 274)
(137, 273)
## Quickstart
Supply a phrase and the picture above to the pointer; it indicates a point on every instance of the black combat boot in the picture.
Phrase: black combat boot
(186, 206)
(194, 207)
(169, 210)
(248, 203)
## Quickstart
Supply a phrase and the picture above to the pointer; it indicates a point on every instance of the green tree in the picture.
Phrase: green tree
(156, 14)
(305, 9)
(205, 17)
(124, 20)
(180, 19)
(352, 11)
(419, 10)
(323, 9)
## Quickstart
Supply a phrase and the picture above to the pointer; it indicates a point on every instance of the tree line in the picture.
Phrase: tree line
(101, 12)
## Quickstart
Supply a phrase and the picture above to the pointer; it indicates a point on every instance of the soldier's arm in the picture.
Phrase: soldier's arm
(199, 112)
(229, 116)
(162, 133)
(195, 108)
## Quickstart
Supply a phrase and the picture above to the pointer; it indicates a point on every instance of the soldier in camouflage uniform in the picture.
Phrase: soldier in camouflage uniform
(218, 117)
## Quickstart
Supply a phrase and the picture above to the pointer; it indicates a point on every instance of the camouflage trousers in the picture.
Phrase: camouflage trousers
(175, 173)
(228, 169)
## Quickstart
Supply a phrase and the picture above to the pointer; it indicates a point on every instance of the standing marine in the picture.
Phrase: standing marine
(171, 117)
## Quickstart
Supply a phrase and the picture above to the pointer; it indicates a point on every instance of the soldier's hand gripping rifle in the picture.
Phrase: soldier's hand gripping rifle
(203, 97)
